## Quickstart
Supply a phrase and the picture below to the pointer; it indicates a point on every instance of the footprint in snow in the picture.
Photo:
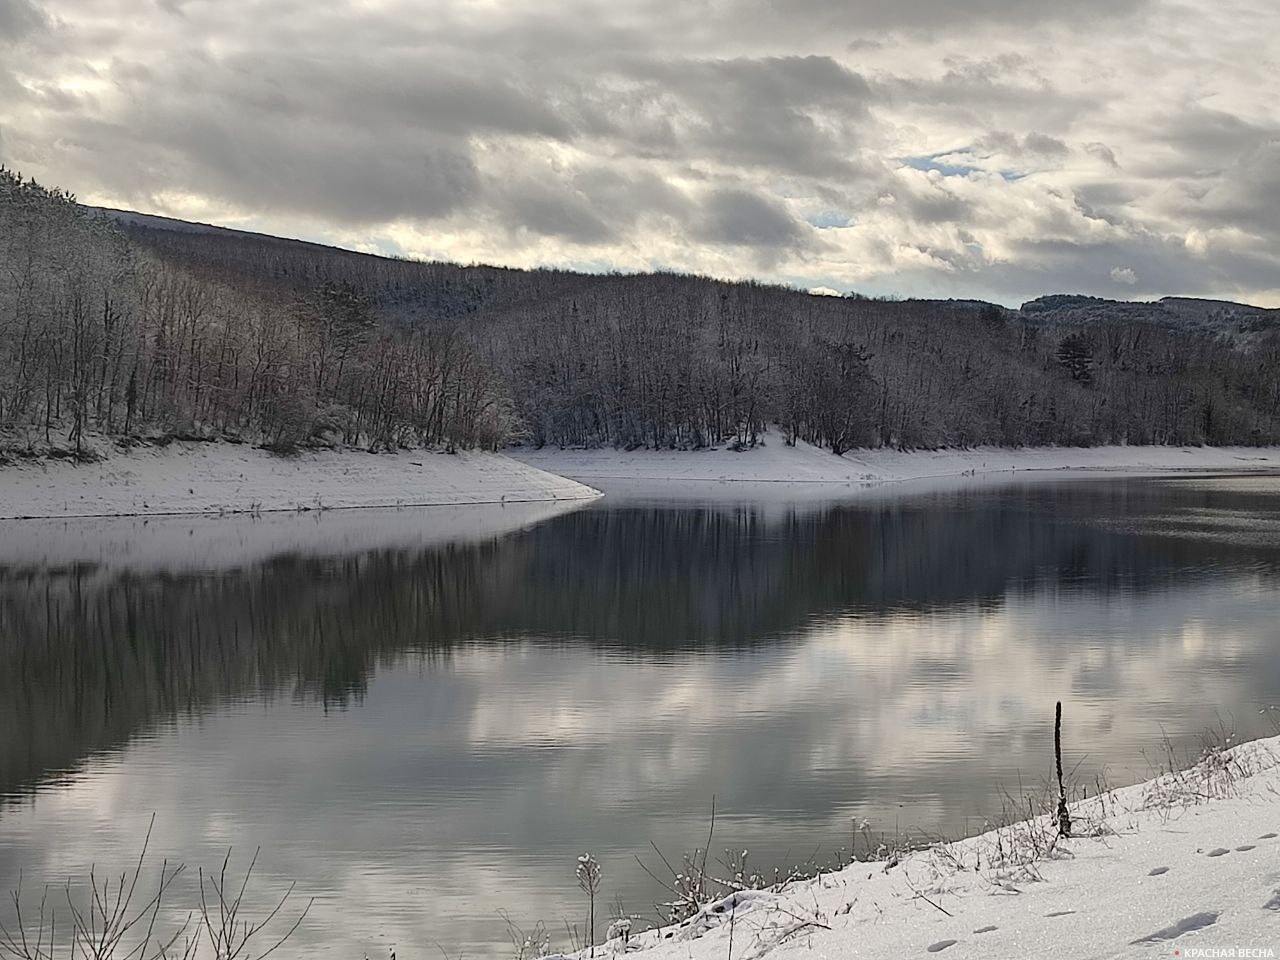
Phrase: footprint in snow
(941, 945)
(1158, 871)
(1244, 848)
(1060, 913)
(987, 929)
(1197, 921)
(1218, 852)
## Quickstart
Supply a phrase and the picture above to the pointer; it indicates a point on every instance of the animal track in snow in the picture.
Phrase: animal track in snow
(1244, 847)
(1158, 871)
(1197, 921)
(941, 945)
(1267, 836)
(1273, 903)
(1060, 913)
(1218, 852)
(987, 929)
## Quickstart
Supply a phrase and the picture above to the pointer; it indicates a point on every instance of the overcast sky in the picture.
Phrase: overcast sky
(990, 148)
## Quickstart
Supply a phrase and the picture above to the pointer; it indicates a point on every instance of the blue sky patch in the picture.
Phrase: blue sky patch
(829, 219)
(933, 163)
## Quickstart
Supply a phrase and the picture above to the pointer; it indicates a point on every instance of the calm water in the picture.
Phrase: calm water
(424, 717)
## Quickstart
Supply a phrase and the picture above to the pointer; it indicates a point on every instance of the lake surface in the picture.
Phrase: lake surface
(424, 717)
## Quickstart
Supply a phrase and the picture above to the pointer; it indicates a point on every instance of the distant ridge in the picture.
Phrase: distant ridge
(154, 221)
(1190, 314)
(1179, 312)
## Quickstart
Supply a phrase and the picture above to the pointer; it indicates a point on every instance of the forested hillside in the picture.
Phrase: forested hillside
(99, 333)
(133, 325)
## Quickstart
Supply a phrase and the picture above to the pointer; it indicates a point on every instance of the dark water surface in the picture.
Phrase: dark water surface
(424, 717)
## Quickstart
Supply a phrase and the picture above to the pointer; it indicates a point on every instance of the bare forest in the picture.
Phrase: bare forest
(140, 329)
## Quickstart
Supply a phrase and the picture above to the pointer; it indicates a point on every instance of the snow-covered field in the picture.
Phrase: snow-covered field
(700, 471)
(1184, 865)
(215, 478)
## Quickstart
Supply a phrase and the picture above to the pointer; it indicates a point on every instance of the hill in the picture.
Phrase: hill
(1187, 314)
(192, 330)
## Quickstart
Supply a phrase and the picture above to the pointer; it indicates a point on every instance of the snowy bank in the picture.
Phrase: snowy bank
(697, 471)
(1188, 862)
(215, 478)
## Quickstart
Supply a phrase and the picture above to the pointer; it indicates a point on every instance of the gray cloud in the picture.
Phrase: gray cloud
(554, 212)
(1159, 268)
(1246, 195)
(295, 164)
(740, 218)
(798, 115)
(1045, 145)
(932, 203)
(1102, 152)
(1214, 137)
(930, 15)
(18, 18)
(1033, 145)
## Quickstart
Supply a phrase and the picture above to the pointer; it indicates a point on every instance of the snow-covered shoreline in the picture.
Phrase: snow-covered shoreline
(190, 478)
(1188, 861)
(220, 478)
(805, 471)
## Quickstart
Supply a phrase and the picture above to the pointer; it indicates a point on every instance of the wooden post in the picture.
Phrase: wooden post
(1064, 817)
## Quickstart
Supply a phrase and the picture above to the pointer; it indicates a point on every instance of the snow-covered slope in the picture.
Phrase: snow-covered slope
(777, 463)
(188, 478)
(1186, 863)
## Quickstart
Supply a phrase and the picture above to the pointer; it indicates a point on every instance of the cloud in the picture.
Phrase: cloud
(1045, 145)
(739, 218)
(930, 199)
(792, 115)
(1207, 137)
(927, 15)
(1247, 194)
(555, 212)
(18, 18)
(639, 132)
(1008, 144)
(1102, 152)
(1124, 275)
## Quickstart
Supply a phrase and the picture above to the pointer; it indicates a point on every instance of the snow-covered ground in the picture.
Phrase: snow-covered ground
(700, 471)
(215, 478)
(1184, 865)
(218, 478)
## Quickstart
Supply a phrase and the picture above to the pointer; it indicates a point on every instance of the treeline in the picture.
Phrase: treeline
(190, 328)
(672, 361)
(98, 334)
